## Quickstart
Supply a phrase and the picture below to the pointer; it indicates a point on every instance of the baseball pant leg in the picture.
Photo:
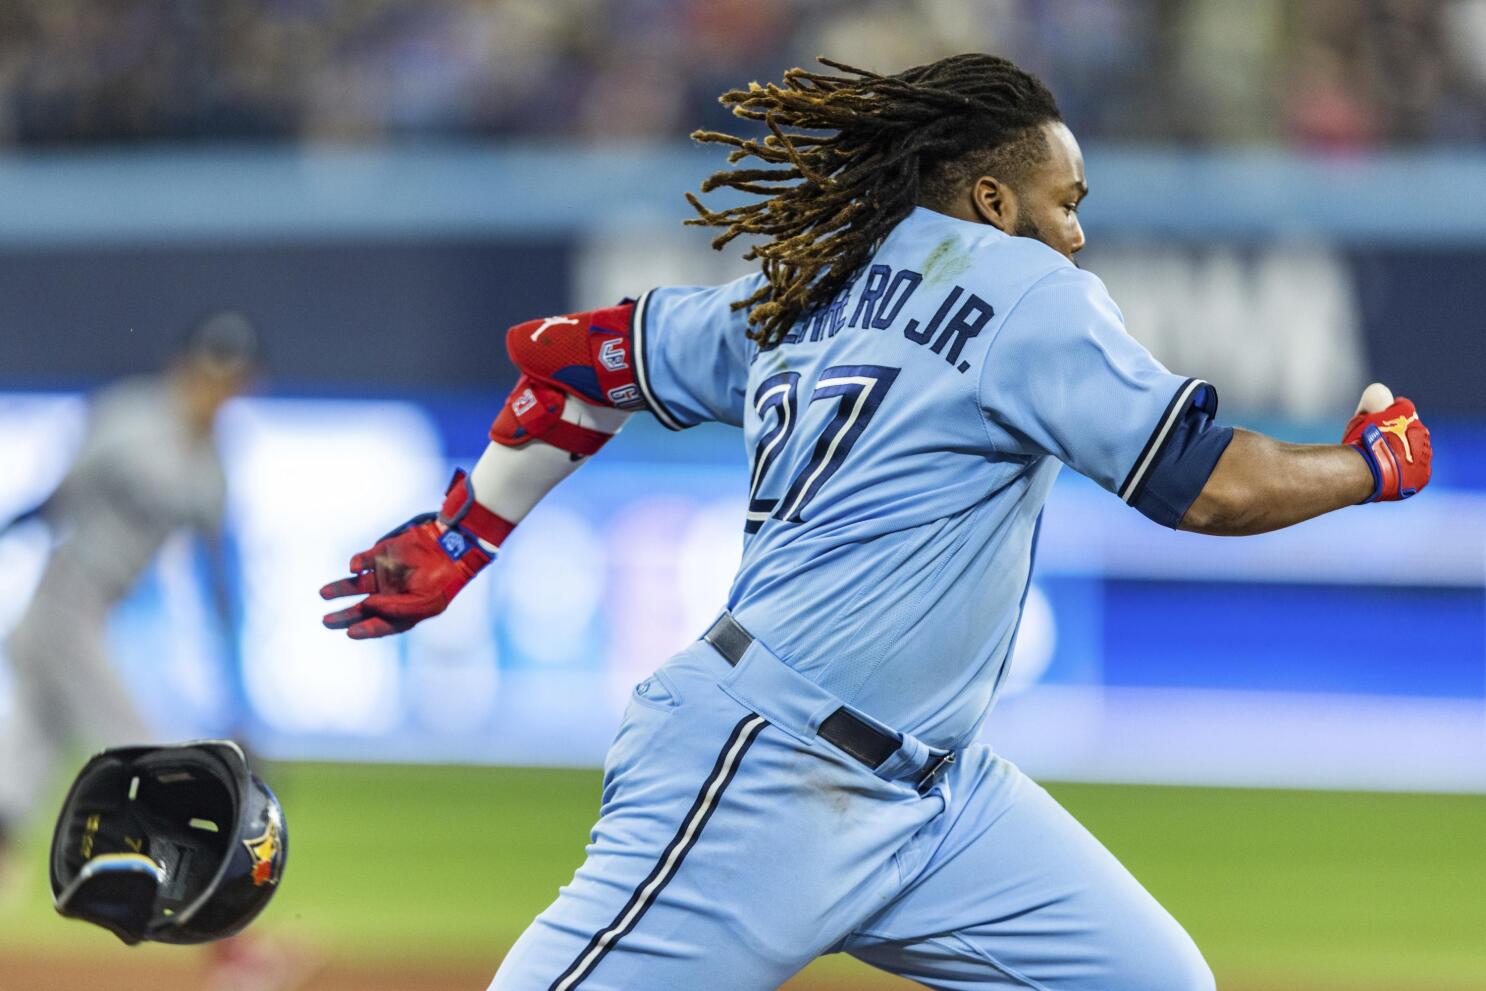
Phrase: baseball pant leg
(99, 708)
(729, 851)
(30, 747)
(1010, 891)
(67, 694)
(64, 640)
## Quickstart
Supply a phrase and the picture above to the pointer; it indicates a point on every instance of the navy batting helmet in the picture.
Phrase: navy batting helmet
(178, 844)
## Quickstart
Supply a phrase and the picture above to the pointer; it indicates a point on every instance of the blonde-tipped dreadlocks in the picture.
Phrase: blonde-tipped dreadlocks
(892, 142)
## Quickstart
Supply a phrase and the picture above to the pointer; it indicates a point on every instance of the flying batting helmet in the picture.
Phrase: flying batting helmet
(178, 844)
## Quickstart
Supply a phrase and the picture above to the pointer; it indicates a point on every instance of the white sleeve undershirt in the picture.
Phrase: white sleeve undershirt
(509, 481)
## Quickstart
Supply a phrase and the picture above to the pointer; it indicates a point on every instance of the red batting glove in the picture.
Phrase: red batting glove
(415, 571)
(1395, 445)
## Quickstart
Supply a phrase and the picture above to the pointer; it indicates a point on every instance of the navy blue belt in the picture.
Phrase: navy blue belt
(842, 728)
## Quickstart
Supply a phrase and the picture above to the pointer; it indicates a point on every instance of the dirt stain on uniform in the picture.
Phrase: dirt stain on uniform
(825, 784)
(948, 260)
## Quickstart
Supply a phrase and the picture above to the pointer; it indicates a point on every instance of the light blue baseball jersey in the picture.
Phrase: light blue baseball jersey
(902, 442)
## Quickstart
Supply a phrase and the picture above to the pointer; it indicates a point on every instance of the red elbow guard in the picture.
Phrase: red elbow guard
(585, 355)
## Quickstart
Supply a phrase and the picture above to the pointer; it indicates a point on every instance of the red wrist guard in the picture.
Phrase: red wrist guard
(461, 512)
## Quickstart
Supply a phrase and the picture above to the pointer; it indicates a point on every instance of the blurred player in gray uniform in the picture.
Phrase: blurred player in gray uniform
(148, 467)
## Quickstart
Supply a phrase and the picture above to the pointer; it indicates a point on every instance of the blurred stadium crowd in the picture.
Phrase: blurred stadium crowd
(1327, 74)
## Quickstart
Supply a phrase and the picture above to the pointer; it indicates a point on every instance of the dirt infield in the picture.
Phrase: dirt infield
(48, 973)
(51, 974)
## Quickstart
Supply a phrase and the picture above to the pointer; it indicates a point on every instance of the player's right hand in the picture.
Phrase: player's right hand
(415, 571)
(409, 575)
(1395, 444)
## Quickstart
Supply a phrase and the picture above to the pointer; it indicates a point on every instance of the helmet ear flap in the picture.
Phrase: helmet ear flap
(116, 891)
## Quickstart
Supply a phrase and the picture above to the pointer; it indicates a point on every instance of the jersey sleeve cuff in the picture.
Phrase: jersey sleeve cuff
(1181, 400)
(639, 331)
(1180, 457)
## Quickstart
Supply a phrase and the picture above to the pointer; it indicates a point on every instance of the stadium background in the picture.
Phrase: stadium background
(1284, 737)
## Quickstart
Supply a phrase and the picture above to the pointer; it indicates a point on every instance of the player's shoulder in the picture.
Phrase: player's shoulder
(1036, 272)
(694, 307)
(702, 321)
(716, 294)
(998, 266)
(1068, 294)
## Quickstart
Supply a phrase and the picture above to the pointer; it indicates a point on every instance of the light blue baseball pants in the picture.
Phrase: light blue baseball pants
(734, 846)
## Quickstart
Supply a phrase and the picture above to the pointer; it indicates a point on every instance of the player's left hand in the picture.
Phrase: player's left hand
(415, 571)
(1395, 443)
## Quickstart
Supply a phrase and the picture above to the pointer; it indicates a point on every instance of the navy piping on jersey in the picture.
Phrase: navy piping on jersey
(670, 860)
(1157, 439)
(642, 377)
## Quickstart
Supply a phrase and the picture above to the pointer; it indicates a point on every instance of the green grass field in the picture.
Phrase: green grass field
(1280, 889)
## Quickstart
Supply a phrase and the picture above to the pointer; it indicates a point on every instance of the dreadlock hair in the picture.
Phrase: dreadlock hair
(889, 143)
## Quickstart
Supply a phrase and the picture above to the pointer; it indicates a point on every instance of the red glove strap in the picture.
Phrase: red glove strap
(466, 560)
(462, 510)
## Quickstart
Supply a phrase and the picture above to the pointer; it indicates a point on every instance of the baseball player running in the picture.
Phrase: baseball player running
(914, 362)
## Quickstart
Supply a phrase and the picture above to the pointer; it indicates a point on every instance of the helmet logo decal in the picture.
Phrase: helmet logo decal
(265, 852)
